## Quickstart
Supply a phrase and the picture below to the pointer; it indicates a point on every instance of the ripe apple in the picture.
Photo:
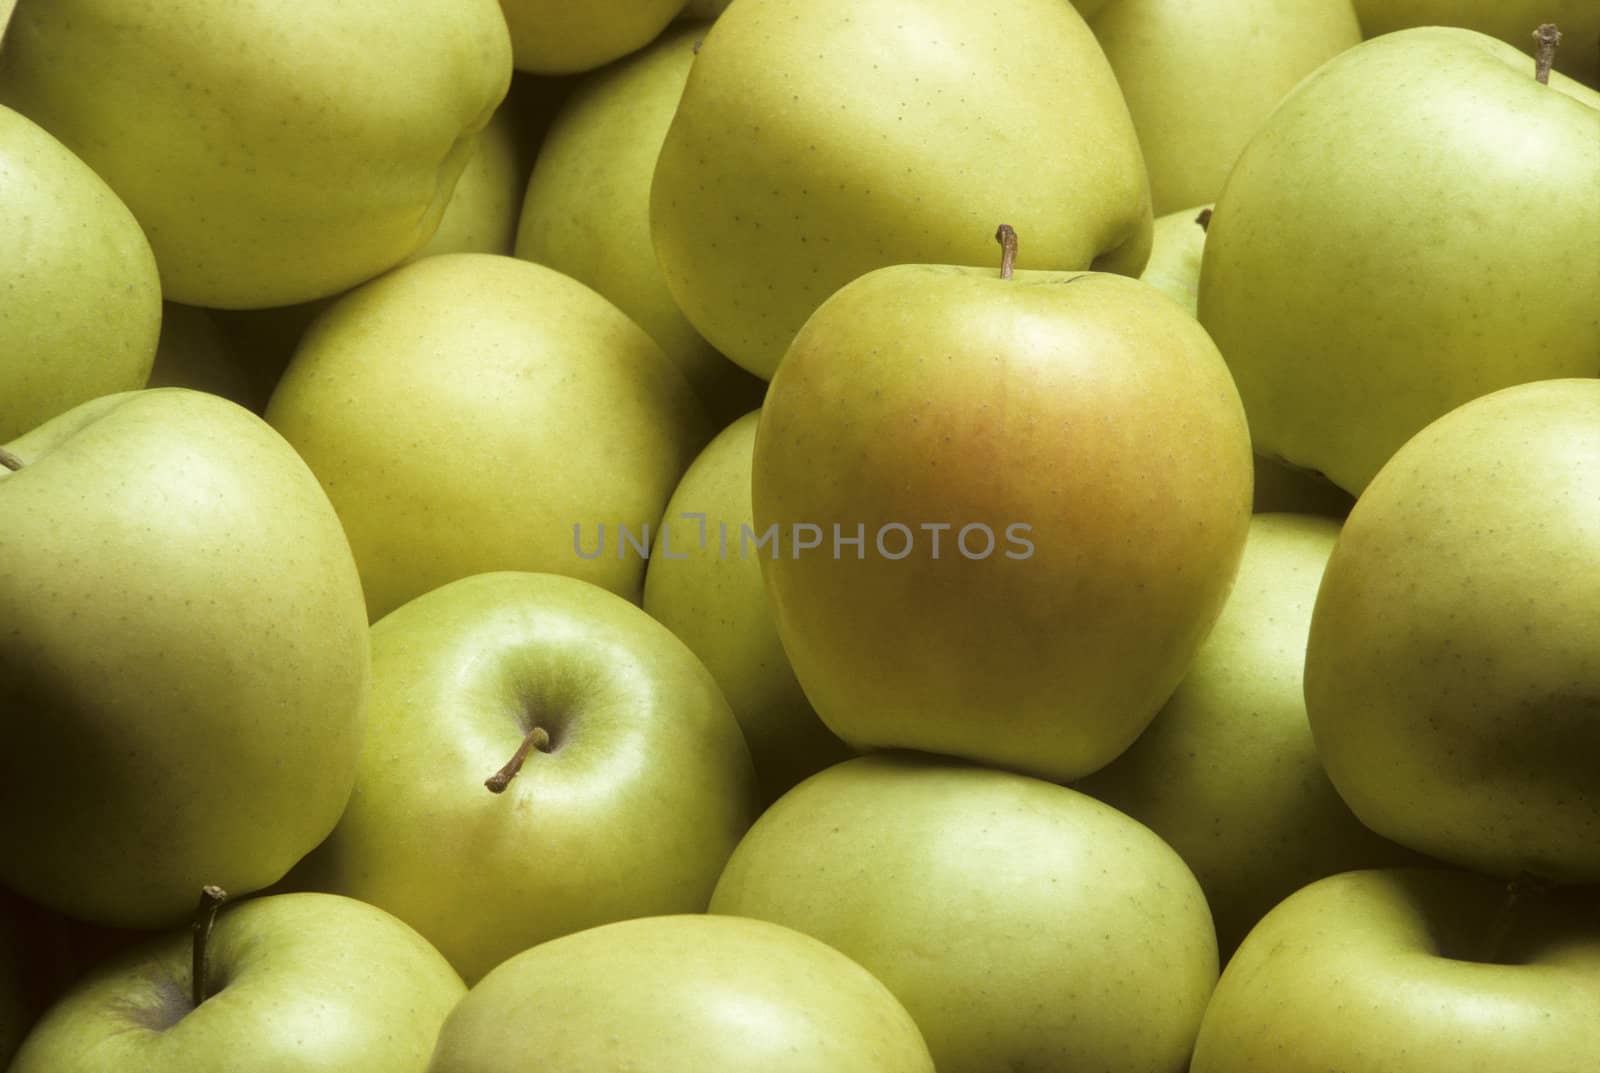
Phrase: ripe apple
(1451, 674)
(707, 591)
(465, 413)
(304, 147)
(586, 211)
(623, 782)
(1412, 228)
(299, 983)
(194, 352)
(1024, 925)
(556, 37)
(481, 215)
(1228, 773)
(1512, 21)
(1200, 79)
(184, 680)
(1177, 241)
(820, 139)
(1080, 442)
(1410, 971)
(82, 307)
(681, 994)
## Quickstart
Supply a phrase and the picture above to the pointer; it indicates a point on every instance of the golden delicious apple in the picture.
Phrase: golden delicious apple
(820, 139)
(272, 152)
(1453, 666)
(1510, 20)
(561, 37)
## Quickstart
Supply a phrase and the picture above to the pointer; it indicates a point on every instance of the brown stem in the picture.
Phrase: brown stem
(1548, 38)
(1518, 891)
(537, 738)
(1006, 235)
(9, 460)
(1204, 219)
(205, 916)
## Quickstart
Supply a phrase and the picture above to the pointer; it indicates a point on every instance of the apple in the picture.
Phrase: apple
(586, 211)
(1200, 79)
(1228, 773)
(474, 412)
(1410, 971)
(184, 680)
(681, 994)
(82, 297)
(481, 215)
(320, 152)
(817, 140)
(1049, 477)
(1451, 678)
(194, 352)
(1510, 20)
(620, 780)
(702, 587)
(1412, 228)
(554, 37)
(1024, 925)
(294, 983)
(1178, 239)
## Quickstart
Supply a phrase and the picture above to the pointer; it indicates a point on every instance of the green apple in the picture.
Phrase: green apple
(1024, 925)
(481, 215)
(586, 211)
(194, 352)
(184, 681)
(681, 994)
(1228, 773)
(557, 37)
(1200, 79)
(1451, 674)
(1177, 241)
(1409, 971)
(474, 412)
(623, 782)
(1050, 477)
(1412, 228)
(817, 140)
(82, 307)
(319, 153)
(1510, 20)
(297, 983)
(710, 594)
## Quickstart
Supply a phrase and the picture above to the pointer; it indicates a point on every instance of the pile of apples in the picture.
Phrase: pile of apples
(800, 536)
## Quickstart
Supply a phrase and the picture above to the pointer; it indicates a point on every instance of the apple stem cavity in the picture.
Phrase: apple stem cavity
(9, 460)
(537, 738)
(1544, 59)
(1518, 891)
(1006, 235)
(205, 917)
(1204, 219)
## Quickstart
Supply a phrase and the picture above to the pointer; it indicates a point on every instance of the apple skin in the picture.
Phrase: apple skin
(553, 37)
(817, 140)
(1411, 228)
(1385, 970)
(320, 154)
(586, 210)
(481, 215)
(714, 600)
(644, 790)
(682, 994)
(1180, 66)
(303, 983)
(1089, 407)
(1228, 773)
(1024, 925)
(466, 411)
(184, 684)
(82, 297)
(1178, 239)
(1451, 675)
(1512, 21)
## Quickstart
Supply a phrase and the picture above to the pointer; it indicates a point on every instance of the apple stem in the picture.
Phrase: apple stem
(9, 460)
(1548, 38)
(205, 916)
(1204, 219)
(1006, 235)
(537, 738)
(1518, 890)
